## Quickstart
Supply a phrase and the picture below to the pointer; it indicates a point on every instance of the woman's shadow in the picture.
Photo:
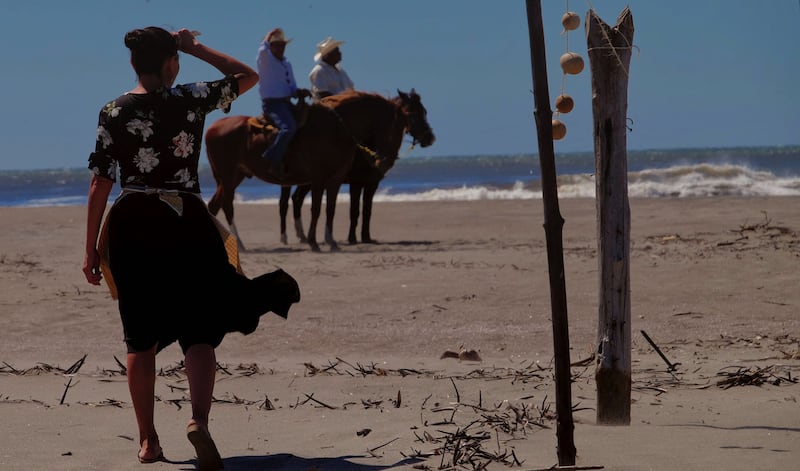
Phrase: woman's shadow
(289, 462)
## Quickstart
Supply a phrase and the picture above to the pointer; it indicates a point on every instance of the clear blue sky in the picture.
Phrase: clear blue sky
(708, 73)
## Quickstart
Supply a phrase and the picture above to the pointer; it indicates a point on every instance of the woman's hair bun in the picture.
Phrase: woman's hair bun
(133, 38)
(150, 47)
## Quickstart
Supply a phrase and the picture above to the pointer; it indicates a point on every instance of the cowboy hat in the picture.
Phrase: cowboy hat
(277, 36)
(326, 46)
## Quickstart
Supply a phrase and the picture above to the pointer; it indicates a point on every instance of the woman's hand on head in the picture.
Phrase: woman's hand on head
(186, 40)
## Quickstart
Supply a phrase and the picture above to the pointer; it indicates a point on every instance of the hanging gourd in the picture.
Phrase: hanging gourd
(564, 103)
(571, 63)
(559, 129)
(570, 21)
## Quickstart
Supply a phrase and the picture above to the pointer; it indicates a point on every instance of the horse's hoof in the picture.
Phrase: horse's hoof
(352, 240)
(284, 239)
(335, 248)
(315, 248)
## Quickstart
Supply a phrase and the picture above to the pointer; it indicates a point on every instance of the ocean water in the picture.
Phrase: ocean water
(671, 173)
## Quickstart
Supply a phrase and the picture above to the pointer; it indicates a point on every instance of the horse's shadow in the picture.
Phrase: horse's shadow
(382, 246)
(275, 250)
(407, 242)
(289, 462)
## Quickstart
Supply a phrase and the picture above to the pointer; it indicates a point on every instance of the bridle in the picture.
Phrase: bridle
(415, 125)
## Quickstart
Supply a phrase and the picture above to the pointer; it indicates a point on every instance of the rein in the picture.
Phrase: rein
(407, 128)
(361, 147)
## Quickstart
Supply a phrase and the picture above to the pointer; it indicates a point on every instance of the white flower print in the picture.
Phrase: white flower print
(184, 144)
(146, 160)
(104, 136)
(191, 116)
(112, 109)
(185, 177)
(141, 127)
(199, 89)
(226, 98)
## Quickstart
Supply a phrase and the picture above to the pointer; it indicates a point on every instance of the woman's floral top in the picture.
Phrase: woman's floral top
(154, 139)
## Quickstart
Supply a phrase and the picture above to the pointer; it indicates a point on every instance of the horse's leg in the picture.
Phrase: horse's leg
(369, 193)
(215, 203)
(283, 208)
(316, 206)
(355, 209)
(331, 192)
(298, 197)
(223, 198)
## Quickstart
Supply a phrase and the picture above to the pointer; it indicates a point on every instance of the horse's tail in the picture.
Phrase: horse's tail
(225, 149)
(215, 149)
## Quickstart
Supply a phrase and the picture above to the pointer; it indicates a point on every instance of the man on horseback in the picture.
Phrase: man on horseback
(328, 77)
(277, 86)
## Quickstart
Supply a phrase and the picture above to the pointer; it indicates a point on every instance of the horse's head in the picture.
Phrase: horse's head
(416, 118)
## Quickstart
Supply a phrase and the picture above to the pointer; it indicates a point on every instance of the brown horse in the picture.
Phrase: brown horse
(320, 155)
(378, 125)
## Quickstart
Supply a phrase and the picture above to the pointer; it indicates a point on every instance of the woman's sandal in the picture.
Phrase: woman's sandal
(158, 458)
(208, 458)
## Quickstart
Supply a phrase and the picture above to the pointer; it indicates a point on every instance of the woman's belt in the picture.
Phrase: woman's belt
(173, 198)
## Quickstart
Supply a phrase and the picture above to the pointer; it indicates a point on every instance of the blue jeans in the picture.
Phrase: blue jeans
(279, 110)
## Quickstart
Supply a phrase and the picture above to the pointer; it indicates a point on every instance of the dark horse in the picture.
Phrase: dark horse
(378, 125)
(320, 156)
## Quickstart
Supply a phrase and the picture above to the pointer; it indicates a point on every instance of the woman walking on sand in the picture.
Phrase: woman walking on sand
(167, 263)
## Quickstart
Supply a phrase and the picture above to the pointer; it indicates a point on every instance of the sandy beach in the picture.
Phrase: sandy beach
(357, 378)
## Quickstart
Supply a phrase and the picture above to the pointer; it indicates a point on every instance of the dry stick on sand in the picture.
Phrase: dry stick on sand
(66, 388)
(71, 371)
(371, 451)
(311, 398)
(75, 366)
(670, 366)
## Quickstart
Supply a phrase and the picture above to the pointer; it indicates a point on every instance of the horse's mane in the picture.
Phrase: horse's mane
(350, 96)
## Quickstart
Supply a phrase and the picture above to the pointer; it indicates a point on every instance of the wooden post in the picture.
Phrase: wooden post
(609, 52)
(553, 223)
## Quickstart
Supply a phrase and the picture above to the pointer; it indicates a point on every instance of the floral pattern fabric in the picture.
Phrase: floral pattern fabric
(156, 136)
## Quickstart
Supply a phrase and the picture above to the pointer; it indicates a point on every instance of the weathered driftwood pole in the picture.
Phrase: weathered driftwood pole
(609, 52)
(553, 223)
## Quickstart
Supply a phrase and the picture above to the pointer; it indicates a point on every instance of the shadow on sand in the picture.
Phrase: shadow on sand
(288, 462)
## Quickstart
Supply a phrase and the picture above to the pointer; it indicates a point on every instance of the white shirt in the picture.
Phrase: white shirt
(276, 78)
(327, 78)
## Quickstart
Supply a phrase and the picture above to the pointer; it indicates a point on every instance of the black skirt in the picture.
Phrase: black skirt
(174, 280)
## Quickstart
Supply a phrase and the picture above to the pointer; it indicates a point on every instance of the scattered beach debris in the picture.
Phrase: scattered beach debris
(753, 376)
(104, 403)
(362, 370)
(462, 355)
(462, 434)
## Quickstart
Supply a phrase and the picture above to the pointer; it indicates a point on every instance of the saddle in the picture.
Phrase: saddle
(263, 125)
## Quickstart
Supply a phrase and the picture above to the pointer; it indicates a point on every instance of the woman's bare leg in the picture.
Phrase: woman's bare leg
(201, 367)
(141, 383)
